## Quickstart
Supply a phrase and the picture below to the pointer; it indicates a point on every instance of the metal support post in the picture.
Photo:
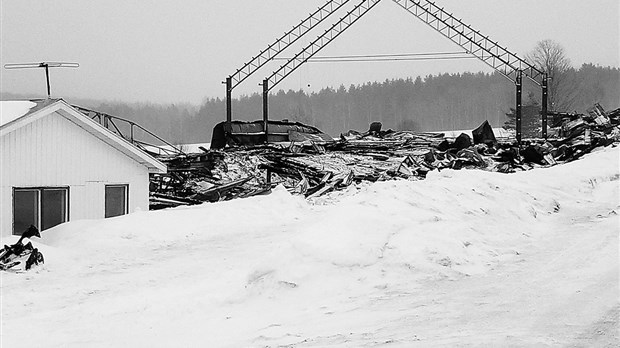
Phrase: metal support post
(545, 90)
(228, 126)
(47, 78)
(518, 110)
(266, 109)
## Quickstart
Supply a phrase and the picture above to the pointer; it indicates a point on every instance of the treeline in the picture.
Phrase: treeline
(443, 102)
(431, 103)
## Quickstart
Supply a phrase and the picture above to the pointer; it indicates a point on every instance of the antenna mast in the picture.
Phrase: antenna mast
(46, 66)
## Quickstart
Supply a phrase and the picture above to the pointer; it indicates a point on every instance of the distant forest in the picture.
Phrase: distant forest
(431, 103)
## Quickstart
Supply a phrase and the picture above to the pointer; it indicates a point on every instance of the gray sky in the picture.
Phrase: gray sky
(180, 51)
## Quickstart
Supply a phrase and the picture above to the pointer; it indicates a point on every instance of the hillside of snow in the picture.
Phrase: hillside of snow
(464, 258)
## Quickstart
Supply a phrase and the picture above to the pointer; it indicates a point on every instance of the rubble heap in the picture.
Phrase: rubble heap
(313, 168)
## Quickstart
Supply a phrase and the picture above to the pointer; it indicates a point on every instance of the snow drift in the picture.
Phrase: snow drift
(279, 270)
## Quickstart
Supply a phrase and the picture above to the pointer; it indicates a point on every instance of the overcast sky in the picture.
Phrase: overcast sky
(180, 51)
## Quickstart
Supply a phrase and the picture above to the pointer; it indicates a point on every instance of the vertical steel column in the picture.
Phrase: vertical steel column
(518, 110)
(545, 86)
(228, 126)
(266, 109)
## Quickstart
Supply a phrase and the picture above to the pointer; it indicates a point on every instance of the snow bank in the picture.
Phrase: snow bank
(268, 270)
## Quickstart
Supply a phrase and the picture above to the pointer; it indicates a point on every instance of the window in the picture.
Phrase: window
(25, 210)
(116, 198)
(43, 207)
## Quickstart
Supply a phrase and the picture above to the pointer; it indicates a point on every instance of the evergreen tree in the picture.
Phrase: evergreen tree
(531, 119)
(432, 103)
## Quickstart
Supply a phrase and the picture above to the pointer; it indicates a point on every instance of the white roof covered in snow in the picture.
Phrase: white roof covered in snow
(11, 110)
(21, 113)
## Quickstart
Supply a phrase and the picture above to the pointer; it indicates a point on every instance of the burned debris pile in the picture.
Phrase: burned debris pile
(209, 176)
(313, 167)
(575, 134)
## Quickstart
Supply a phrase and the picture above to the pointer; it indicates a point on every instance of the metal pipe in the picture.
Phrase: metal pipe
(47, 78)
(518, 110)
(46, 66)
(117, 130)
(288, 39)
(228, 126)
(266, 109)
(545, 90)
(321, 41)
(107, 117)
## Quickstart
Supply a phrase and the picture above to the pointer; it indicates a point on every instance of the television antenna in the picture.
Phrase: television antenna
(46, 66)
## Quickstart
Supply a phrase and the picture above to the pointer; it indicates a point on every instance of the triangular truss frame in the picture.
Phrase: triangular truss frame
(480, 46)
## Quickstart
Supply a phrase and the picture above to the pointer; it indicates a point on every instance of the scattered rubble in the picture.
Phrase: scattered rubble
(315, 166)
(21, 257)
(251, 133)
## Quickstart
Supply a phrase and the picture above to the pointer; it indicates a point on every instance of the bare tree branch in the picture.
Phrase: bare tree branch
(550, 57)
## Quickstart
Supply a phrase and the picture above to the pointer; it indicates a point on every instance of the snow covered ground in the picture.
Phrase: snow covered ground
(464, 258)
(498, 132)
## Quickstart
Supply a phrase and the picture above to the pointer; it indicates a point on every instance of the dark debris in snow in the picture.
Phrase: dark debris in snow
(313, 168)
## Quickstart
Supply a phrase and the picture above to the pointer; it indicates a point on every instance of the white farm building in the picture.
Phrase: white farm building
(59, 165)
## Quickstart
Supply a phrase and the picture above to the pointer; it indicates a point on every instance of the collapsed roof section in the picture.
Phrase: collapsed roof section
(251, 133)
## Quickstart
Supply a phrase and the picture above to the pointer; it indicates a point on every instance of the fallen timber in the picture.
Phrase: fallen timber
(314, 168)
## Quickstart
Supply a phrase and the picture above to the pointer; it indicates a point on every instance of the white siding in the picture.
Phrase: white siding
(54, 151)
